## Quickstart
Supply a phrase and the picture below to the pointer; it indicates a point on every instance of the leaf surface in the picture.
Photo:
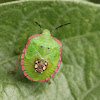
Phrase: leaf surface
(79, 76)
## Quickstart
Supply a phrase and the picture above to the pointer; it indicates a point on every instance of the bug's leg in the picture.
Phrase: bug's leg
(49, 82)
(13, 71)
(28, 35)
(17, 52)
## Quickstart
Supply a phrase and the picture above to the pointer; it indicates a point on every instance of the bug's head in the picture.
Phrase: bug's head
(46, 32)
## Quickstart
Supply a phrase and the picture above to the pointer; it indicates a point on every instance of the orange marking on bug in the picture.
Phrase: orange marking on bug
(28, 77)
(24, 50)
(59, 64)
(52, 74)
(60, 58)
(24, 73)
(23, 68)
(22, 56)
(48, 78)
(22, 62)
(56, 69)
(27, 44)
(41, 81)
(32, 36)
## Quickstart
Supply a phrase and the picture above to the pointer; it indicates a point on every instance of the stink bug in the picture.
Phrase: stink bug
(41, 58)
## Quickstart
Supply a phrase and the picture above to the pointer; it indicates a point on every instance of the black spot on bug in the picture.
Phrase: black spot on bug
(48, 48)
(38, 61)
(41, 46)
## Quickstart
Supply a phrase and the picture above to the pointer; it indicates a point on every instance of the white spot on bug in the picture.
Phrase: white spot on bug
(46, 63)
(36, 61)
(36, 66)
(44, 68)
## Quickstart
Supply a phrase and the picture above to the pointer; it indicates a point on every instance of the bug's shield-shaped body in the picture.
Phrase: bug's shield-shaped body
(41, 57)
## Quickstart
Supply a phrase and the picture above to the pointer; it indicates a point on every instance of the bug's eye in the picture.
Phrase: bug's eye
(41, 46)
(48, 48)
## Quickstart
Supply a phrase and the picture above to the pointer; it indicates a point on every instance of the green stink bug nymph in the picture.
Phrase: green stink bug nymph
(41, 57)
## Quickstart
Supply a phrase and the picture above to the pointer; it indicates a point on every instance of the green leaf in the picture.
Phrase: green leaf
(95, 1)
(3, 1)
(79, 75)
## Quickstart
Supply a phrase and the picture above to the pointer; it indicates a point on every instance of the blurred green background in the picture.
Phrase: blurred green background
(94, 1)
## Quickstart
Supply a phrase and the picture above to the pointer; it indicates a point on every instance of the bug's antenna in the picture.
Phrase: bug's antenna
(62, 25)
(38, 24)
